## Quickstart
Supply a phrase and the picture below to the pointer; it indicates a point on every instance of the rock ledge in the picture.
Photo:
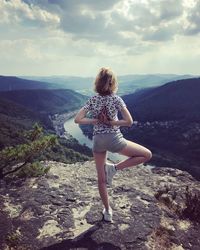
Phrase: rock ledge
(62, 210)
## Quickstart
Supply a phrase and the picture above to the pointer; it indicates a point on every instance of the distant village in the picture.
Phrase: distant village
(59, 120)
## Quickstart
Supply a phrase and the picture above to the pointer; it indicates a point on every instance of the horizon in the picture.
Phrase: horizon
(76, 38)
(89, 76)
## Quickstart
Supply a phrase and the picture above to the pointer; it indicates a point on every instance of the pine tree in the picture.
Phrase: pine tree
(14, 158)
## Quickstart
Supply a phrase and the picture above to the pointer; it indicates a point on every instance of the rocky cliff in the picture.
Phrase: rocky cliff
(153, 209)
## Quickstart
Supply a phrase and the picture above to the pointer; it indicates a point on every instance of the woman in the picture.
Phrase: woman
(104, 108)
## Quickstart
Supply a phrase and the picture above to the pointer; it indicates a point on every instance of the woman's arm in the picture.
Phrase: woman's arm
(126, 119)
(81, 119)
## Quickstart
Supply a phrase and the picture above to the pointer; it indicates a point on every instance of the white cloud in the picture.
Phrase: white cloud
(170, 10)
(193, 18)
(16, 11)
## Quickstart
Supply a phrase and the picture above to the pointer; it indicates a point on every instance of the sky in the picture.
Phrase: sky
(77, 37)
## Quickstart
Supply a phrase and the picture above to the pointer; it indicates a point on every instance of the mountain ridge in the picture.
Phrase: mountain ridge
(49, 101)
(127, 83)
(174, 98)
(8, 83)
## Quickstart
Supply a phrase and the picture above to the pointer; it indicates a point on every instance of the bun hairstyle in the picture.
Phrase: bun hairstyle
(105, 82)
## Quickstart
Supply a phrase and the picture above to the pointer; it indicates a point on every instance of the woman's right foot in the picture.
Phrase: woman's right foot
(110, 171)
(107, 215)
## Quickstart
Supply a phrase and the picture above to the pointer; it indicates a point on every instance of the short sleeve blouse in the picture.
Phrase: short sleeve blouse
(112, 103)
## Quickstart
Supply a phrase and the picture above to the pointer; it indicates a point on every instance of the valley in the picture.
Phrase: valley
(166, 117)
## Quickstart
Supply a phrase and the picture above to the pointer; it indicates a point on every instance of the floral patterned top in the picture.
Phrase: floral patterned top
(111, 104)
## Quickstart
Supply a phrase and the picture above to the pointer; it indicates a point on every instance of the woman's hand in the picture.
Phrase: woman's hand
(103, 118)
(94, 121)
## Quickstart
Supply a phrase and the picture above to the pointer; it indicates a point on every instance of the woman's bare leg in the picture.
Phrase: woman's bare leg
(100, 159)
(137, 153)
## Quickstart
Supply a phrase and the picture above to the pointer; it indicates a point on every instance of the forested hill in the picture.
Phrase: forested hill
(8, 83)
(15, 119)
(20, 109)
(45, 100)
(172, 101)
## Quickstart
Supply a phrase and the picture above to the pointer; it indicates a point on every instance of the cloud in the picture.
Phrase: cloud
(91, 4)
(110, 21)
(170, 10)
(193, 19)
(20, 49)
(149, 20)
(162, 33)
(17, 11)
(84, 19)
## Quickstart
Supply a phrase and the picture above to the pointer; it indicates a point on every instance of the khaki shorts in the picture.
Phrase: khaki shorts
(113, 142)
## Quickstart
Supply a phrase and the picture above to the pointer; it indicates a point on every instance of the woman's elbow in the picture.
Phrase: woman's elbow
(76, 120)
(130, 122)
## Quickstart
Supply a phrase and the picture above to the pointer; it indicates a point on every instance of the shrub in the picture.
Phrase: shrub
(191, 209)
(34, 169)
(13, 159)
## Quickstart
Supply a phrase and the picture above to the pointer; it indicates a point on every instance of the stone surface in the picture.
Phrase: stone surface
(62, 210)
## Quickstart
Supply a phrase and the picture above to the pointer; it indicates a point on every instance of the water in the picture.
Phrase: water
(74, 130)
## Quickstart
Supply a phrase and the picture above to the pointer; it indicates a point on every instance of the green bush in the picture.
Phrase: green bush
(34, 169)
(15, 158)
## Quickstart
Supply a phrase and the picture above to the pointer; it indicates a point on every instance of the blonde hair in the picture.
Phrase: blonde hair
(105, 82)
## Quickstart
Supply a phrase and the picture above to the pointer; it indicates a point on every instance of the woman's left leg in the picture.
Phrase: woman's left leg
(137, 154)
(100, 160)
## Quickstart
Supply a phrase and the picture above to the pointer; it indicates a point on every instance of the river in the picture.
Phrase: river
(74, 130)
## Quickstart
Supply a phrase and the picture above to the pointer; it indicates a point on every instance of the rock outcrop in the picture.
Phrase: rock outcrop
(62, 210)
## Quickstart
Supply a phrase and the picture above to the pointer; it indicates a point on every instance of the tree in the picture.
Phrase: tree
(14, 158)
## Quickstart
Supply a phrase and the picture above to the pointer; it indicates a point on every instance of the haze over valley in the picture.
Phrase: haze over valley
(127, 83)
